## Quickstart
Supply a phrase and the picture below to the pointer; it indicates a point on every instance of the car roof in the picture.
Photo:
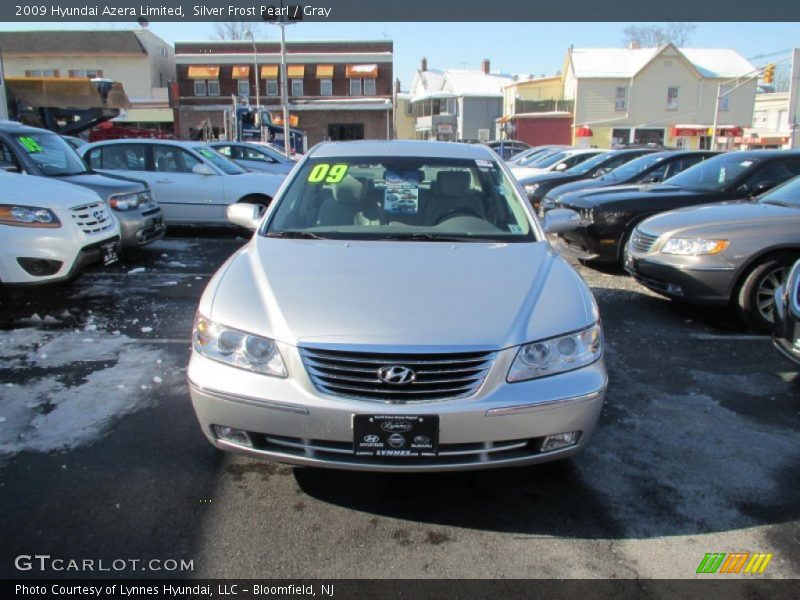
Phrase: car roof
(403, 148)
(184, 143)
(17, 127)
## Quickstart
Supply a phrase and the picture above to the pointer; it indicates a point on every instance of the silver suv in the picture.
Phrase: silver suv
(446, 337)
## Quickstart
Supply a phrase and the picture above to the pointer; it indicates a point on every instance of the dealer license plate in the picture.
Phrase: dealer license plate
(109, 252)
(393, 435)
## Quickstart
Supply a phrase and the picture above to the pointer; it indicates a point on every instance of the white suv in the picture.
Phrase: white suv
(192, 183)
(52, 230)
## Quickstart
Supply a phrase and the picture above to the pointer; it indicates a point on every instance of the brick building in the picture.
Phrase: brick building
(337, 90)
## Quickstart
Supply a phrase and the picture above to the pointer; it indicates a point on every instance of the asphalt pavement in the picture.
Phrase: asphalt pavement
(101, 457)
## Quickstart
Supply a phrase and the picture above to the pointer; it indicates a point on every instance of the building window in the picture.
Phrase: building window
(213, 87)
(724, 101)
(621, 99)
(297, 87)
(42, 73)
(672, 98)
(163, 50)
(272, 87)
(326, 87)
(89, 73)
(243, 87)
(200, 87)
(345, 131)
(705, 142)
(369, 87)
(621, 135)
(355, 87)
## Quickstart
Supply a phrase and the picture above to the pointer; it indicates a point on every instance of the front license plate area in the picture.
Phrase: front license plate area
(109, 252)
(395, 435)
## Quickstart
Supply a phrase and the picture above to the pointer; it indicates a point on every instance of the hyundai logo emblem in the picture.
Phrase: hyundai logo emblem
(371, 439)
(97, 215)
(396, 375)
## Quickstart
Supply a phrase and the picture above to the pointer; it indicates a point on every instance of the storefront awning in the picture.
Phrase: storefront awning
(296, 71)
(583, 131)
(324, 71)
(269, 72)
(362, 71)
(204, 72)
(240, 72)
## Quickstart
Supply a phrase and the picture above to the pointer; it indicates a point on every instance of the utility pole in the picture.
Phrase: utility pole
(3, 98)
(284, 92)
(794, 91)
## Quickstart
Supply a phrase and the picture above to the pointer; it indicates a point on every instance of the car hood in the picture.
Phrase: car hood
(524, 173)
(46, 192)
(580, 185)
(622, 193)
(104, 185)
(727, 216)
(431, 294)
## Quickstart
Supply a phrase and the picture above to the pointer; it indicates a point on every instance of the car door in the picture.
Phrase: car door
(185, 196)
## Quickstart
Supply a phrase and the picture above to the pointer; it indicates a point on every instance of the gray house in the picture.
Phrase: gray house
(457, 104)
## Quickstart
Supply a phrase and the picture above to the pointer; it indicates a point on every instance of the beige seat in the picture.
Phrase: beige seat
(350, 204)
(450, 195)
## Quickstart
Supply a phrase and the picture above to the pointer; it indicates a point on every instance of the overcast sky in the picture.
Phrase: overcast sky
(537, 48)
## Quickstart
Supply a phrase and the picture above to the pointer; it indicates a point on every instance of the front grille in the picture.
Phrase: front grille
(436, 376)
(92, 218)
(641, 241)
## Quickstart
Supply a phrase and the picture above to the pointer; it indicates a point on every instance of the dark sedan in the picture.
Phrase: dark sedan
(609, 215)
(730, 253)
(786, 335)
(650, 168)
(537, 186)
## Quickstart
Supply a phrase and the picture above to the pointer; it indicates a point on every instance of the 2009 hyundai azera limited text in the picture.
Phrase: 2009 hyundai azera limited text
(398, 309)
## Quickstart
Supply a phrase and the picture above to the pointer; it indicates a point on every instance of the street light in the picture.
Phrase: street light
(255, 62)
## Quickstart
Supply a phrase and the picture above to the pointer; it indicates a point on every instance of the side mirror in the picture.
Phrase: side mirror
(560, 220)
(762, 187)
(561, 167)
(202, 169)
(245, 215)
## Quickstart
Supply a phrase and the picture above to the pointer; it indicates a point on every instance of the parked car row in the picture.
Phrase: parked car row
(87, 202)
(713, 232)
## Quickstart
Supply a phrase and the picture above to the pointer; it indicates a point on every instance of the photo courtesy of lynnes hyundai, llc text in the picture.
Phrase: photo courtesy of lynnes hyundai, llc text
(398, 308)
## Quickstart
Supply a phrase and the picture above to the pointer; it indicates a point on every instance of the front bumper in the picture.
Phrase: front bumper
(586, 244)
(142, 226)
(682, 278)
(502, 424)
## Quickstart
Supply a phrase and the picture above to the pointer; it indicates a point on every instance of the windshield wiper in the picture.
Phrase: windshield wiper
(296, 235)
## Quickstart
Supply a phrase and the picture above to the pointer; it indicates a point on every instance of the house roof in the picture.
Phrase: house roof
(627, 62)
(70, 42)
(457, 83)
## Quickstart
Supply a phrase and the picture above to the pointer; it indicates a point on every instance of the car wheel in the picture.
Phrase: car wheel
(756, 298)
(262, 201)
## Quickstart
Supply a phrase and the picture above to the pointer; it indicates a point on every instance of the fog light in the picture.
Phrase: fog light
(39, 267)
(233, 435)
(560, 440)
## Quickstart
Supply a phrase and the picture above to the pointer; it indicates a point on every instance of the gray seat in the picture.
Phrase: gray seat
(450, 194)
(350, 204)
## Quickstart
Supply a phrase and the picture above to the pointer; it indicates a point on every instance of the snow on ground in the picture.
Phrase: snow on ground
(83, 383)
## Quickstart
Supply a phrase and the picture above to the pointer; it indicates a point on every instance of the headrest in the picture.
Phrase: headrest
(453, 183)
(349, 192)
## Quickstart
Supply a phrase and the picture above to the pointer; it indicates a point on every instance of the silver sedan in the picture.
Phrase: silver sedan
(446, 337)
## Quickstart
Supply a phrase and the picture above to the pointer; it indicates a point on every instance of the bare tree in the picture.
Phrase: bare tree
(655, 36)
(237, 30)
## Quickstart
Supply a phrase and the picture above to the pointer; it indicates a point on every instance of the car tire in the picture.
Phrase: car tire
(259, 199)
(754, 300)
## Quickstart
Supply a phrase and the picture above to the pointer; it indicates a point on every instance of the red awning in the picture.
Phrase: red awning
(583, 131)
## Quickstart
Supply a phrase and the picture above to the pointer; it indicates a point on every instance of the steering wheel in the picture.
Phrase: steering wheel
(459, 210)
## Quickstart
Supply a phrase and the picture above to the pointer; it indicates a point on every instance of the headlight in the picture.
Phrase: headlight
(611, 217)
(236, 348)
(145, 197)
(558, 354)
(125, 201)
(28, 216)
(530, 189)
(694, 247)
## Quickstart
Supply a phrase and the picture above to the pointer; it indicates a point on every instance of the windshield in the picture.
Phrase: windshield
(401, 198)
(713, 174)
(589, 164)
(786, 195)
(267, 151)
(51, 154)
(548, 161)
(634, 167)
(532, 155)
(215, 158)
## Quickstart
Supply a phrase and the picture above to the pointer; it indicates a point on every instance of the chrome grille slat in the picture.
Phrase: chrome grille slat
(642, 241)
(92, 218)
(438, 376)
